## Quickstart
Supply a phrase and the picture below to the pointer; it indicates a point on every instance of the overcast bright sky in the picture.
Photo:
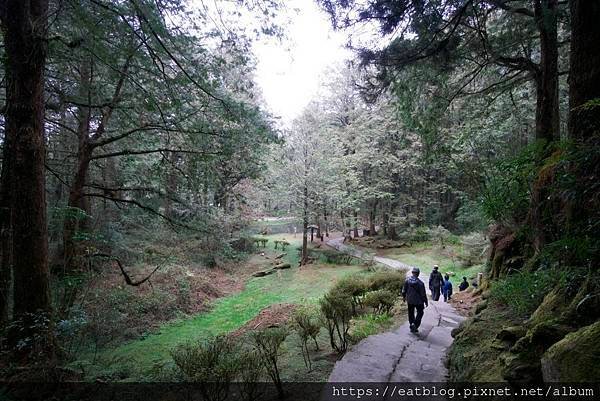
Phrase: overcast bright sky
(289, 73)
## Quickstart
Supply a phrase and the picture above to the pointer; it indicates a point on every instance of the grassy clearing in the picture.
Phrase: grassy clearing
(426, 254)
(141, 359)
(276, 226)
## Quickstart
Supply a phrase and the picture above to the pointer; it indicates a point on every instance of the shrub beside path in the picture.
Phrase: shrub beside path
(399, 355)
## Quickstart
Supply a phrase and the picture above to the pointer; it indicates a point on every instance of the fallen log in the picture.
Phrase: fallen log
(263, 273)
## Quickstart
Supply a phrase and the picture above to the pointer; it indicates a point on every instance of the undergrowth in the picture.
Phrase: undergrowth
(524, 291)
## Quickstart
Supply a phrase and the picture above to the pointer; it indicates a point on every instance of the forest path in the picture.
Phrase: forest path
(338, 243)
(399, 355)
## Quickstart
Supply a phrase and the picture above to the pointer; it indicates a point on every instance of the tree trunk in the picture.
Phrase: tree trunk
(345, 230)
(171, 185)
(391, 233)
(304, 257)
(318, 226)
(385, 223)
(547, 114)
(5, 232)
(372, 214)
(24, 26)
(326, 222)
(584, 77)
(355, 215)
(74, 221)
(547, 118)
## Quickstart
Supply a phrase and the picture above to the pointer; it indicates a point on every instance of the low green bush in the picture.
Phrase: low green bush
(252, 370)
(211, 362)
(388, 280)
(267, 343)
(305, 322)
(382, 301)
(524, 291)
(421, 234)
(336, 312)
(354, 286)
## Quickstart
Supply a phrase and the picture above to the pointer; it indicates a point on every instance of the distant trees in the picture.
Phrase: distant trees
(382, 166)
(301, 170)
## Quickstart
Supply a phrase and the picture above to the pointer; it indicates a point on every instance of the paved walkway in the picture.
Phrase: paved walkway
(338, 243)
(399, 355)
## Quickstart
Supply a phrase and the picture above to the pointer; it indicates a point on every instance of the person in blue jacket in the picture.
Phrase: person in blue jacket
(447, 288)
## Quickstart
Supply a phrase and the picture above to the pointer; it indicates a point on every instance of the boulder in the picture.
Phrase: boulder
(575, 357)
(481, 306)
(547, 333)
(511, 334)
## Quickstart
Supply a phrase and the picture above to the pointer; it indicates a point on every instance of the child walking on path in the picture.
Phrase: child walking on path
(447, 288)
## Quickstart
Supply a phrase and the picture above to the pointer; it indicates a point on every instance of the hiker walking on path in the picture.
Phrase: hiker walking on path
(413, 293)
(447, 288)
(436, 281)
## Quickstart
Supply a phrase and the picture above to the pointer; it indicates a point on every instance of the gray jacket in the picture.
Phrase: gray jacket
(413, 291)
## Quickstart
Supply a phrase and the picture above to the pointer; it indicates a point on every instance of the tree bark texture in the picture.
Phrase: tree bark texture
(584, 77)
(24, 24)
(547, 106)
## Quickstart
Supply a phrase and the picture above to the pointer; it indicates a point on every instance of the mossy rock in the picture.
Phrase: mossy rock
(475, 352)
(521, 369)
(500, 345)
(575, 306)
(553, 305)
(575, 358)
(584, 307)
(522, 345)
(547, 333)
(540, 337)
(480, 307)
(511, 334)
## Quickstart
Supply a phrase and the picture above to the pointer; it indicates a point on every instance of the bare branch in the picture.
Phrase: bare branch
(128, 152)
(124, 273)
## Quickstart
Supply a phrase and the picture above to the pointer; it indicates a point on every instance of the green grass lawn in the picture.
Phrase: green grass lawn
(425, 255)
(137, 359)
